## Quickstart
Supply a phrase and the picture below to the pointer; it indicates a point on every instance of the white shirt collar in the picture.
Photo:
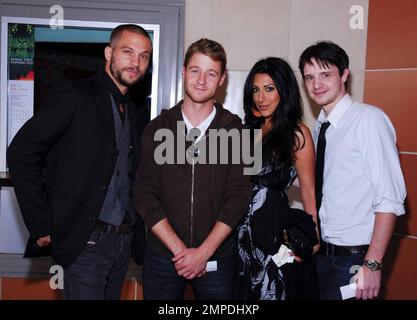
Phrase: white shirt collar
(203, 126)
(337, 113)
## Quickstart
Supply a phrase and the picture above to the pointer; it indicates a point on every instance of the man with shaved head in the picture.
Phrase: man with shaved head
(85, 139)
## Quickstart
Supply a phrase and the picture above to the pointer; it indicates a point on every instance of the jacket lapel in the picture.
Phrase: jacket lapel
(102, 103)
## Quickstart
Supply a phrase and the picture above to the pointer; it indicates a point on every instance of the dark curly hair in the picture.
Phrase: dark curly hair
(281, 141)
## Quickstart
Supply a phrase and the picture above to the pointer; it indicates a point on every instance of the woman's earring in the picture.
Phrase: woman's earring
(256, 113)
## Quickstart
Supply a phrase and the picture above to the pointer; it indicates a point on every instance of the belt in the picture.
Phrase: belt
(105, 227)
(329, 249)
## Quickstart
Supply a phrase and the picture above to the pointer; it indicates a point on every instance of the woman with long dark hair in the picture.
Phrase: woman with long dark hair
(272, 103)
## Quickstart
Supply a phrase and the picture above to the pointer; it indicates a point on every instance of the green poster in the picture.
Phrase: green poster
(21, 51)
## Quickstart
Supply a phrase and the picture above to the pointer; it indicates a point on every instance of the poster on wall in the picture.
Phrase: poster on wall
(21, 39)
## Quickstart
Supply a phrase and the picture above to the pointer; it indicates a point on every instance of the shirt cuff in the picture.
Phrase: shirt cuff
(153, 218)
(388, 206)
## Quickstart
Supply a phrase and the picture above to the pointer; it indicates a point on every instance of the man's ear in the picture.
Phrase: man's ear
(345, 75)
(183, 72)
(108, 53)
(223, 78)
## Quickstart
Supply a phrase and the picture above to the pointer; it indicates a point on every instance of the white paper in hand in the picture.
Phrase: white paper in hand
(283, 256)
(211, 266)
(348, 291)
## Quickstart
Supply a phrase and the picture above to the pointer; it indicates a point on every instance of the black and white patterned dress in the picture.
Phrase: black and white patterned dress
(259, 277)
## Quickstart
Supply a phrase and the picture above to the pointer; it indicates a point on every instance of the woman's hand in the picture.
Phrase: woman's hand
(316, 248)
(296, 258)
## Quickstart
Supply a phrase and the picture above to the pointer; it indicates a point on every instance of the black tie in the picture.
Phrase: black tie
(321, 148)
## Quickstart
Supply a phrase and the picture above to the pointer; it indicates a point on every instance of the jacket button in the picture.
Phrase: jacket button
(103, 188)
(114, 155)
(92, 218)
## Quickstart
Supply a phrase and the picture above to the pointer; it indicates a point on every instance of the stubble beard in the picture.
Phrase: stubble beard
(196, 98)
(118, 75)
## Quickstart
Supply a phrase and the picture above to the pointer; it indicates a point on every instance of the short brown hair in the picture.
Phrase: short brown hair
(116, 33)
(209, 48)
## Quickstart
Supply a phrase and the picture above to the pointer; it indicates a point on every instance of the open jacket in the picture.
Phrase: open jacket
(193, 196)
(73, 137)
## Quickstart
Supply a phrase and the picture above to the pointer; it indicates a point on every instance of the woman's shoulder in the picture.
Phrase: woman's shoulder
(304, 135)
(304, 129)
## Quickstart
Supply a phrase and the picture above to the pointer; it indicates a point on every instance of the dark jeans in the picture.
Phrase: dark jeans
(161, 281)
(335, 272)
(99, 271)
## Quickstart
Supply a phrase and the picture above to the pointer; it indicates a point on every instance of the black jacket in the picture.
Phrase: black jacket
(73, 137)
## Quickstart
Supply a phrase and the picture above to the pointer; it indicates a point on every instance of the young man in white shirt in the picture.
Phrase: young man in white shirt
(360, 188)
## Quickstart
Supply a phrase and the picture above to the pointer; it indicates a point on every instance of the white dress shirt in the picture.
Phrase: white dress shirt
(362, 173)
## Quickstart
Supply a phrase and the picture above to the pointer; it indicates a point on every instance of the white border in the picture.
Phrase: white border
(70, 23)
(3, 97)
